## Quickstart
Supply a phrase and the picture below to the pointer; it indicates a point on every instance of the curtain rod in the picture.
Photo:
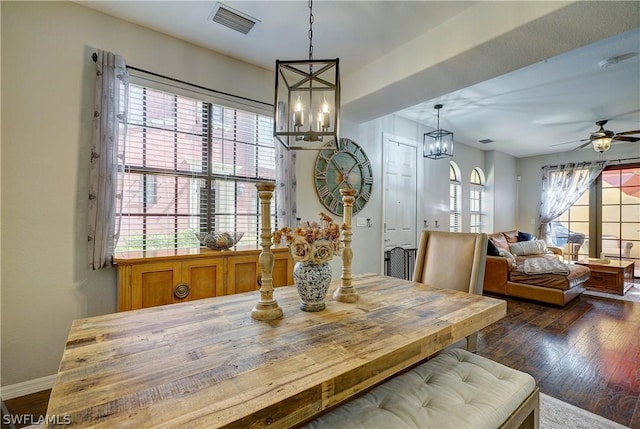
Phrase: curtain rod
(589, 162)
(94, 57)
(583, 163)
(625, 159)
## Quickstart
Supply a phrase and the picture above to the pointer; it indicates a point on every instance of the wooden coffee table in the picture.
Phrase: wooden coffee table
(612, 277)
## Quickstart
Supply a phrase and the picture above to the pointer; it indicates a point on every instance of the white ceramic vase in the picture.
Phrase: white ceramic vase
(312, 282)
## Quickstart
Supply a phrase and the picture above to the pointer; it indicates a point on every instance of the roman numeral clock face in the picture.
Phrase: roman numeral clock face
(346, 167)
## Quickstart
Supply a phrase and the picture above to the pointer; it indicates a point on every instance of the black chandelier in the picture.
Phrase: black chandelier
(438, 143)
(306, 110)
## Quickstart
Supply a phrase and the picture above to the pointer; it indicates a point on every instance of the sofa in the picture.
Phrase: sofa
(520, 266)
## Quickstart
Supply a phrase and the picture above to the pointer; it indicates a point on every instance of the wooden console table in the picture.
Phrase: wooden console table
(160, 277)
(612, 277)
(207, 363)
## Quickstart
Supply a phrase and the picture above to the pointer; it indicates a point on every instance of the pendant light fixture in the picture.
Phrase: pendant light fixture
(601, 139)
(601, 144)
(307, 101)
(438, 143)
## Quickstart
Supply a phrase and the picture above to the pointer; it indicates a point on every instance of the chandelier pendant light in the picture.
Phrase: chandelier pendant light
(438, 143)
(306, 110)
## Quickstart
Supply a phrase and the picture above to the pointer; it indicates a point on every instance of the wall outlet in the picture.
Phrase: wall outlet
(361, 221)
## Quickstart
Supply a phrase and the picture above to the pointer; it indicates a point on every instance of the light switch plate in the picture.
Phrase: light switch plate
(361, 221)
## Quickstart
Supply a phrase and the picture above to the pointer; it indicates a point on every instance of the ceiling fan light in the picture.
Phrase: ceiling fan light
(601, 144)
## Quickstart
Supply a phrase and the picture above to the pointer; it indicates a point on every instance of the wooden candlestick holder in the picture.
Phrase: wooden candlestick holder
(267, 308)
(346, 292)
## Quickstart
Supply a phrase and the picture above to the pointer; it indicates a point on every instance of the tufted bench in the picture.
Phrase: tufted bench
(455, 389)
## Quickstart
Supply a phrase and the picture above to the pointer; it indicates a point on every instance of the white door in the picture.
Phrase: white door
(399, 171)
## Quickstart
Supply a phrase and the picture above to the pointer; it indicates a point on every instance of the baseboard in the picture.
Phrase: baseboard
(27, 387)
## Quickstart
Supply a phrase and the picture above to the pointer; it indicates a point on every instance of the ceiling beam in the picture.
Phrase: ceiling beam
(485, 41)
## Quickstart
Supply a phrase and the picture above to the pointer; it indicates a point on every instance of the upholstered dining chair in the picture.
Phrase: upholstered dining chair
(452, 260)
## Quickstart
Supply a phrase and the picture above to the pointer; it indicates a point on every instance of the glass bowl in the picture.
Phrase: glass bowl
(219, 240)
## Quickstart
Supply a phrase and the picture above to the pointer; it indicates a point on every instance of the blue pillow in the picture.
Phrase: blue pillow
(492, 250)
(525, 236)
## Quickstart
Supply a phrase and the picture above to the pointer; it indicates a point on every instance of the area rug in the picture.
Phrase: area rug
(555, 414)
(633, 294)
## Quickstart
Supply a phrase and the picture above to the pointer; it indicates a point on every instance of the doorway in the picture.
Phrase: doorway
(605, 221)
(400, 181)
(619, 214)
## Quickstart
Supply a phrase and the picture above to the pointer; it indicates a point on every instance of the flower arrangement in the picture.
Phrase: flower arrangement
(313, 242)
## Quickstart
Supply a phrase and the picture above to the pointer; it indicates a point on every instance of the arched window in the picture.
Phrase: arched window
(455, 206)
(477, 200)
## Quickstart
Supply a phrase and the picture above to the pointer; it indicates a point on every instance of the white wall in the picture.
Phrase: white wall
(47, 107)
(365, 259)
(502, 177)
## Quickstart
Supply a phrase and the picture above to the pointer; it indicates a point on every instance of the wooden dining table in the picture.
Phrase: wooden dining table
(208, 363)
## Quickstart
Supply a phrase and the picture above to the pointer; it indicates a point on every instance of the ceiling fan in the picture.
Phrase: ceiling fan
(601, 139)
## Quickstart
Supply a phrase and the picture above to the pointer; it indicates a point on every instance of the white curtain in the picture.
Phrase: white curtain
(107, 157)
(285, 191)
(562, 186)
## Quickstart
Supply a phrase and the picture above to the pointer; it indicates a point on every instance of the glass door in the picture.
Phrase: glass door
(570, 230)
(620, 217)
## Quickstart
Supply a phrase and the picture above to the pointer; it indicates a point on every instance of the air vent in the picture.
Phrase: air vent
(486, 141)
(229, 17)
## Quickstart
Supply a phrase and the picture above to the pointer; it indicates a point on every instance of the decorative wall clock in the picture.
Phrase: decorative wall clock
(347, 166)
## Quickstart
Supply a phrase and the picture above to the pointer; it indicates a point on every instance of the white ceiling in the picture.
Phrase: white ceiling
(548, 106)
(525, 111)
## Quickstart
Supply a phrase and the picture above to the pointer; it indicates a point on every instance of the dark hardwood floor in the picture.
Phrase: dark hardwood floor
(586, 354)
(34, 406)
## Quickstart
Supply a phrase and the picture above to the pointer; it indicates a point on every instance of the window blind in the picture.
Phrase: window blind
(191, 166)
(476, 197)
(454, 207)
(477, 216)
(454, 200)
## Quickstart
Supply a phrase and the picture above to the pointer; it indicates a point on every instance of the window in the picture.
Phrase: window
(477, 195)
(454, 198)
(191, 166)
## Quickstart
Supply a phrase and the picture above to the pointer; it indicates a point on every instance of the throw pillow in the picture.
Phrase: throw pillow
(509, 256)
(500, 242)
(511, 236)
(525, 236)
(533, 247)
(492, 250)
